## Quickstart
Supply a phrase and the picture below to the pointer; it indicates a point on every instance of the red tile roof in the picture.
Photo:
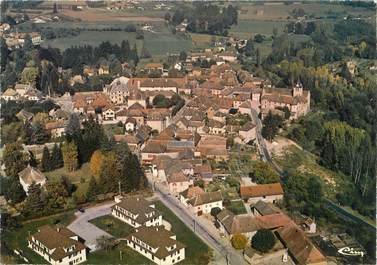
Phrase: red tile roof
(261, 190)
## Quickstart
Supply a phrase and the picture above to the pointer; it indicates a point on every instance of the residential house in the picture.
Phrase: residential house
(203, 172)
(157, 244)
(158, 119)
(104, 70)
(178, 182)
(136, 211)
(33, 95)
(213, 147)
(133, 142)
(299, 246)
(25, 116)
(248, 224)
(296, 100)
(247, 132)
(57, 245)
(108, 113)
(262, 208)
(216, 127)
(118, 90)
(22, 88)
(153, 67)
(158, 84)
(200, 202)
(29, 176)
(245, 108)
(56, 128)
(130, 124)
(265, 192)
(10, 94)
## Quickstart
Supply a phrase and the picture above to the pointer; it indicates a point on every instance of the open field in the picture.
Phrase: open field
(113, 256)
(155, 41)
(75, 177)
(247, 28)
(105, 15)
(18, 239)
(280, 11)
(293, 158)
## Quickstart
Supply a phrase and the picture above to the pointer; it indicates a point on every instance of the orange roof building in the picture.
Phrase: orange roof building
(265, 192)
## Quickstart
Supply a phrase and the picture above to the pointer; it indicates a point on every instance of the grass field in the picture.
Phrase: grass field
(305, 162)
(247, 28)
(155, 41)
(114, 256)
(197, 252)
(113, 226)
(75, 177)
(79, 177)
(17, 239)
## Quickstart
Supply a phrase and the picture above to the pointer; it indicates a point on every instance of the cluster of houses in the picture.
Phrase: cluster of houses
(15, 40)
(22, 92)
(151, 238)
(177, 148)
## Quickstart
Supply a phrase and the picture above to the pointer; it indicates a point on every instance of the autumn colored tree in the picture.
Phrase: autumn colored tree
(70, 156)
(239, 241)
(91, 192)
(109, 174)
(96, 163)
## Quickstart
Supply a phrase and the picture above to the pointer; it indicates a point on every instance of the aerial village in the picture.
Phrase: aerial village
(184, 129)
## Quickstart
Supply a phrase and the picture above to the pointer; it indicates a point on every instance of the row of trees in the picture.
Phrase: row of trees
(206, 18)
(75, 57)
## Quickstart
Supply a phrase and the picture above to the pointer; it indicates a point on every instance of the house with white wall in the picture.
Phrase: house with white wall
(57, 245)
(136, 211)
(157, 244)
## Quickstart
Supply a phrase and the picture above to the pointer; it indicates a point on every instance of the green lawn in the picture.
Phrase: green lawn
(113, 226)
(129, 256)
(75, 177)
(197, 252)
(17, 239)
(248, 28)
(236, 207)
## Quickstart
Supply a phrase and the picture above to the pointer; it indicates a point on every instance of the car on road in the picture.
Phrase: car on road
(81, 210)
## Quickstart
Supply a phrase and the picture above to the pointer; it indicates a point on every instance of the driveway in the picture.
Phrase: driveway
(86, 230)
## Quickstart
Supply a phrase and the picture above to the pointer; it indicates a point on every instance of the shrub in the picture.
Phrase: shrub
(239, 241)
(263, 240)
(215, 211)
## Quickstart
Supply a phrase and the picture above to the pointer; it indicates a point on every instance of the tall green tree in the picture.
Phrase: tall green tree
(92, 137)
(57, 157)
(46, 162)
(34, 203)
(271, 125)
(263, 240)
(70, 156)
(14, 159)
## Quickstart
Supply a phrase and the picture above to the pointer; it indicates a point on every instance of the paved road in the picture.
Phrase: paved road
(263, 150)
(86, 230)
(207, 232)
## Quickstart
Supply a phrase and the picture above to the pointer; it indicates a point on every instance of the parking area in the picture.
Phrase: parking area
(85, 229)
